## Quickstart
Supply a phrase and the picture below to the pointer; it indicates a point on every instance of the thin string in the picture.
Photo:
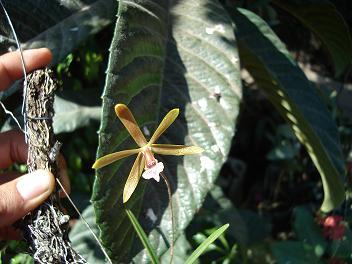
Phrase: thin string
(85, 222)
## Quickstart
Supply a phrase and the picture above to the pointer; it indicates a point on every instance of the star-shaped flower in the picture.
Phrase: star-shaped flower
(145, 153)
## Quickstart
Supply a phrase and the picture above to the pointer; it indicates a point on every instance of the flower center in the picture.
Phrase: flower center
(150, 161)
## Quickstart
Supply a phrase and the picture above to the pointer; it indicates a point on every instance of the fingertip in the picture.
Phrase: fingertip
(20, 196)
(11, 66)
(46, 54)
(37, 58)
(35, 187)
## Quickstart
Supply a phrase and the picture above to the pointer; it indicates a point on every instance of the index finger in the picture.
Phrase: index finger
(11, 66)
(13, 148)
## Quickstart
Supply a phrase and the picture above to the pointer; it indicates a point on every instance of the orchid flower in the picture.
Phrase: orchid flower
(145, 153)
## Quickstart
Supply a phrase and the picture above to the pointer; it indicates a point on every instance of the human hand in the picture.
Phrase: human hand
(19, 195)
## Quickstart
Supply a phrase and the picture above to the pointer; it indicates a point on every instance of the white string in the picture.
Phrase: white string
(84, 221)
(12, 115)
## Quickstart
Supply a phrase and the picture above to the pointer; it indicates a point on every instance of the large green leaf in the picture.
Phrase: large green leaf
(164, 57)
(322, 18)
(58, 25)
(266, 58)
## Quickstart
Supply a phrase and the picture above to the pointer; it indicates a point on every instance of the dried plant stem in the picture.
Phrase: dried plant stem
(168, 185)
(45, 228)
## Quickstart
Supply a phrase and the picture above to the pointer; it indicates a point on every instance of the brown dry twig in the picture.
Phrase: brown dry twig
(46, 228)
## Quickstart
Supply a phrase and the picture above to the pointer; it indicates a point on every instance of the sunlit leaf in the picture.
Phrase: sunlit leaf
(166, 55)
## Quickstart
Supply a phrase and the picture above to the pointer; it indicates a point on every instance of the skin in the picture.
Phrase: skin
(13, 148)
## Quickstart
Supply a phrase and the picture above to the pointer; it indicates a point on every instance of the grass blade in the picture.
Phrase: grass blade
(142, 236)
(202, 247)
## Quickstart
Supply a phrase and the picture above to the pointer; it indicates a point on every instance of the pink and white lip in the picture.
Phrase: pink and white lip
(154, 171)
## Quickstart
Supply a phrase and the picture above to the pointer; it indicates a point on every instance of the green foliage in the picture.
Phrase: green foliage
(308, 231)
(143, 237)
(59, 25)
(322, 18)
(154, 69)
(11, 253)
(311, 245)
(22, 259)
(205, 244)
(184, 54)
(266, 58)
(295, 251)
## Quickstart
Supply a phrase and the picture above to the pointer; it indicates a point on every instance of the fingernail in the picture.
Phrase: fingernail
(33, 184)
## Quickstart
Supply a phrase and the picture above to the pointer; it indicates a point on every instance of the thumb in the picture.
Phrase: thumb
(20, 196)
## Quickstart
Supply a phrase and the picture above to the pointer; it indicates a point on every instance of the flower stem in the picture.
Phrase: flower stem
(168, 185)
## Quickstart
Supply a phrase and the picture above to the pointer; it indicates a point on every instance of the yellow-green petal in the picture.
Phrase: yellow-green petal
(164, 124)
(110, 158)
(134, 177)
(176, 150)
(127, 119)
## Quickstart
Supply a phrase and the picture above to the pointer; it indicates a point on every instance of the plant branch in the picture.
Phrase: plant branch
(45, 228)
